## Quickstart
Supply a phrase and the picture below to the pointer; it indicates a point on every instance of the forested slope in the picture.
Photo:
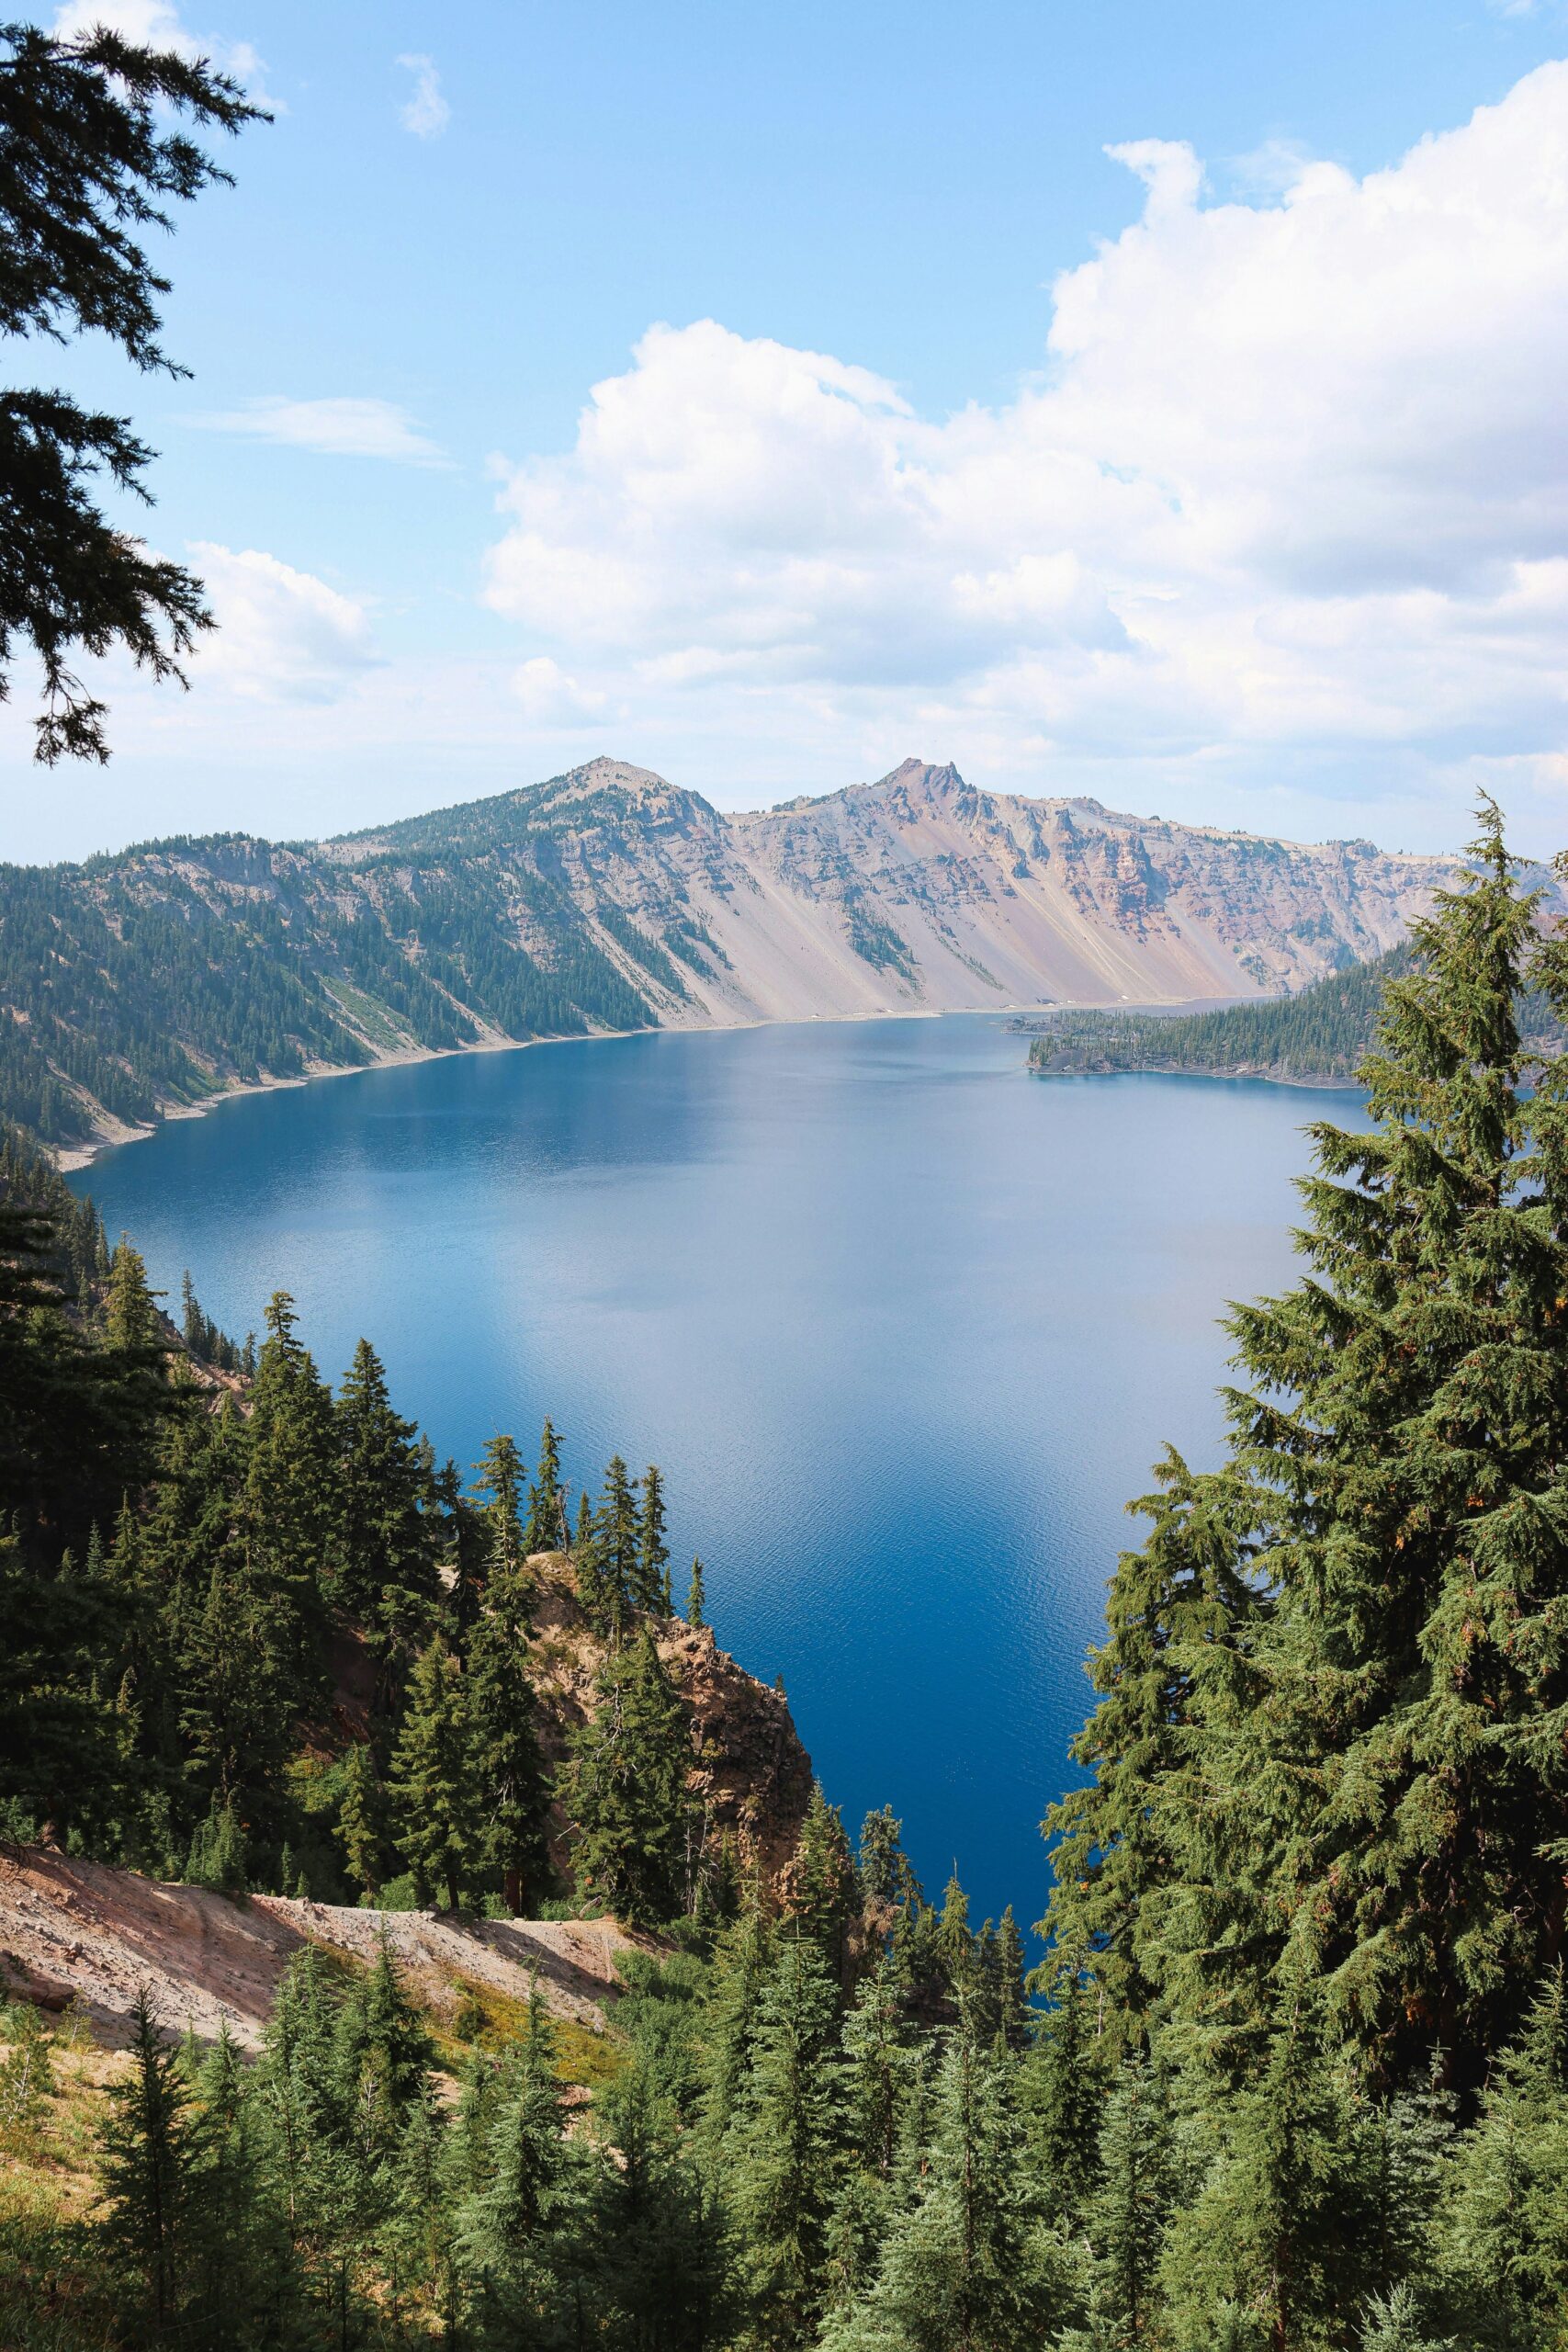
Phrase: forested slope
(607, 898)
(1295, 2076)
(1317, 1037)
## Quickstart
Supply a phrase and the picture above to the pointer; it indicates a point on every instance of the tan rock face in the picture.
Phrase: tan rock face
(749, 1766)
(79, 1932)
(915, 894)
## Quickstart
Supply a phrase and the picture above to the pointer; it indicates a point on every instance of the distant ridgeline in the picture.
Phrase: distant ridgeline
(608, 900)
(168, 974)
(1314, 1038)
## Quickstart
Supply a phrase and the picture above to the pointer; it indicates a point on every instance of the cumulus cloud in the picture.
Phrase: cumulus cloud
(1291, 481)
(426, 113)
(338, 428)
(282, 635)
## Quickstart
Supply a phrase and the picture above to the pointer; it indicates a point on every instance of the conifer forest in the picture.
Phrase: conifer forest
(1292, 2069)
(1273, 2057)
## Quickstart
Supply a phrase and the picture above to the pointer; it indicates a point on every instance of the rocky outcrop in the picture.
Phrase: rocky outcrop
(750, 1769)
(80, 1934)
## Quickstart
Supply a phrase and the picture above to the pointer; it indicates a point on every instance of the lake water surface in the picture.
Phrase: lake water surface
(904, 1329)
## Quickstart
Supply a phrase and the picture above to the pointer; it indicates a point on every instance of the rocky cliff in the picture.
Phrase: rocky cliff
(609, 899)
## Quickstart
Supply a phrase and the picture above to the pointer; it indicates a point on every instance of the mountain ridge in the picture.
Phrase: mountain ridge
(144, 982)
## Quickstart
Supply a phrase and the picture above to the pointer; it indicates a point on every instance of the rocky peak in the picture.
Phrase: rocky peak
(921, 777)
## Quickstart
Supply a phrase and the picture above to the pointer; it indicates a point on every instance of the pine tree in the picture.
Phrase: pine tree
(431, 1783)
(619, 1535)
(299, 2087)
(877, 2073)
(546, 1529)
(697, 1599)
(131, 1315)
(147, 2173)
(784, 2149)
(504, 1761)
(955, 1944)
(742, 1957)
(588, 1568)
(500, 1488)
(1132, 2202)
(626, 1789)
(513, 2236)
(382, 2056)
(1012, 2008)
(1503, 2228)
(968, 2266)
(1187, 1588)
(359, 1818)
(651, 1587)
(824, 1884)
(655, 2245)
(1363, 1767)
(293, 1495)
(384, 1567)
(1280, 2226)
(1062, 2090)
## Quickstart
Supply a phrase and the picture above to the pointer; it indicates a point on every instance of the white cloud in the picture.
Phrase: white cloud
(282, 635)
(338, 428)
(549, 699)
(426, 113)
(1292, 486)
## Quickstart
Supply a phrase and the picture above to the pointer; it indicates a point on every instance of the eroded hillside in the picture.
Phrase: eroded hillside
(140, 985)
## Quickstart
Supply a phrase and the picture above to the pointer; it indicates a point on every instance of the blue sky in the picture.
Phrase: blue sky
(1257, 518)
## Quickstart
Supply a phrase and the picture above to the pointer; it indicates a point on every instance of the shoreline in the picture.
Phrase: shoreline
(71, 1159)
(1188, 1069)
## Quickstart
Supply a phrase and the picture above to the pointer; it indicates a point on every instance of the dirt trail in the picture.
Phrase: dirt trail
(79, 1931)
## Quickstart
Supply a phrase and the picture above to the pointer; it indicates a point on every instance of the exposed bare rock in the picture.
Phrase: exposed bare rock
(749, 1764)
(79, 1932)
(608, 897)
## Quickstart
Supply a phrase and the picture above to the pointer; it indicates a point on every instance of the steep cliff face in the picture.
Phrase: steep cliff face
(750, 1771)
(609, 899)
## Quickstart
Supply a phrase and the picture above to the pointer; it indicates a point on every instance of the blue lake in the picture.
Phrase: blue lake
(903, 1328)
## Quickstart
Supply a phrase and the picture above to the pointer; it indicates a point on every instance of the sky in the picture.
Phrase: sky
(1162, 403)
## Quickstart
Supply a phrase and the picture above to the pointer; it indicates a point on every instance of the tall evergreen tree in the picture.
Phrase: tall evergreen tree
(824, 1883)
(784, 2152)
(968, 2266)
(626, 1789)
(148, 2174)
(131, 1313)
(546, 1530)
(384, 1567)
(619, 1531)
(431, 1781)
(500, 1483)
(504, 1761)
(652, 1586)
(697, 1599)
(1361, 1771)
(293, 1494)
(1504, 2229)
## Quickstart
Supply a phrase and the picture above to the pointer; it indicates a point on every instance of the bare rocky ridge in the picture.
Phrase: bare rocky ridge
(920, 893)
(140, 986)
(76, 1932)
